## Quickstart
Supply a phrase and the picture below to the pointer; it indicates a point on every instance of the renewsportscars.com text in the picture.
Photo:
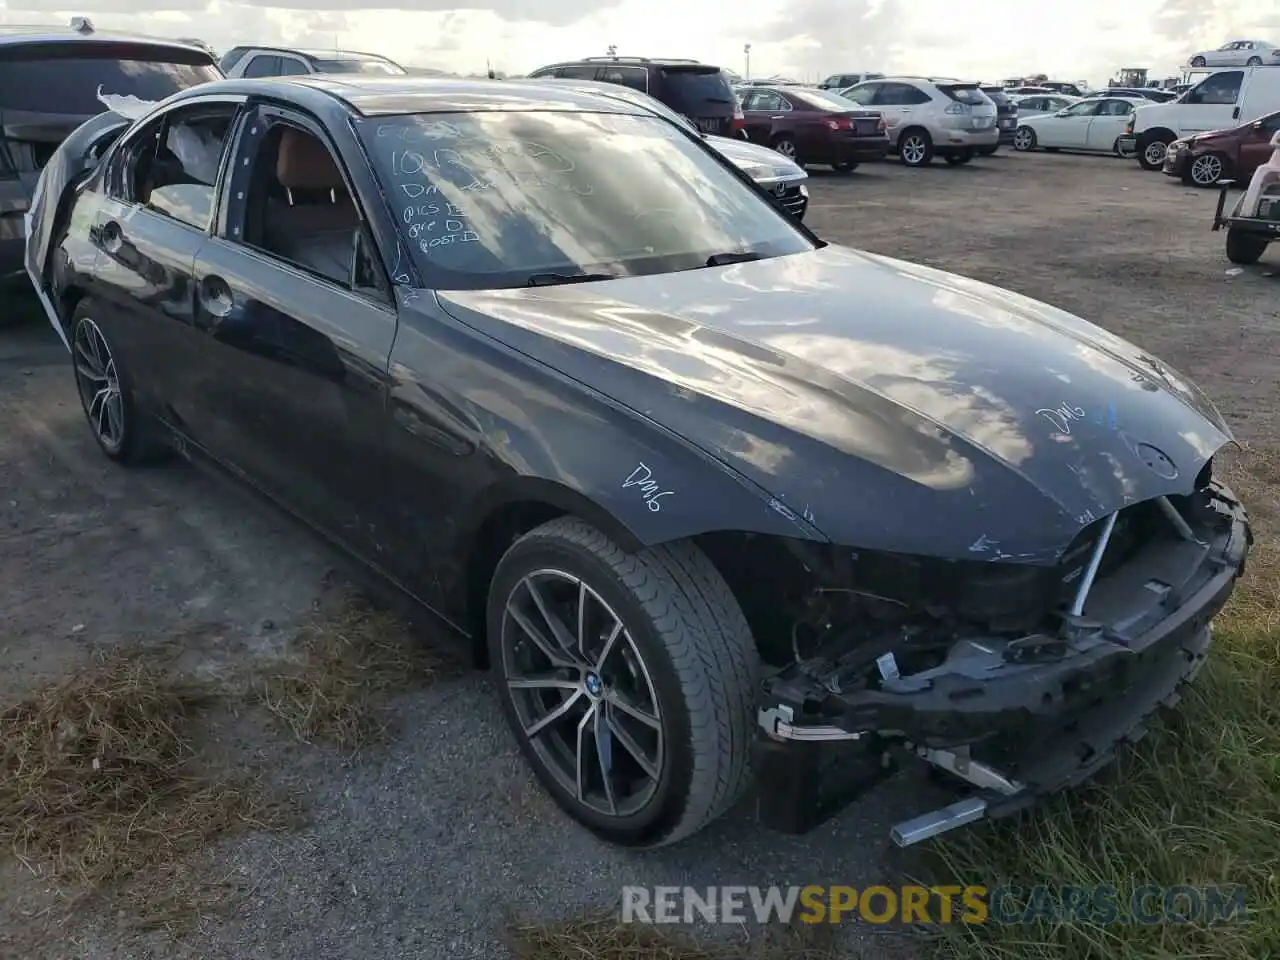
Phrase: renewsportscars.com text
(1102, 905)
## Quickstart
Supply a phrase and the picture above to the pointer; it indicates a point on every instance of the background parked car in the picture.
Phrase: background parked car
(1095, 125)
(1239, 53)
(926, 116)
(49, 82)
(838, 81)
(697, 90)
(814, 126)
(1204, 159)
(1153, 94)
(1061, 86)
(1039, 103)
(1006, 116)
(258, 61)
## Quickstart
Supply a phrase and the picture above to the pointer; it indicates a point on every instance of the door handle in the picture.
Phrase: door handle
(112, 237)
(778, 117)
(215, 296)
(1235, 114)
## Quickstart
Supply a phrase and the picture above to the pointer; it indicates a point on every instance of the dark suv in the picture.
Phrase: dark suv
(697, 90)
(1006, 117)
(49, 83)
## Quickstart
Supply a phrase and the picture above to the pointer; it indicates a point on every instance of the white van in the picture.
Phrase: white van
(1223, 99)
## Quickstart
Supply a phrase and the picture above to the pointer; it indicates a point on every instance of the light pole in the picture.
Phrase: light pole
(612, 51)
(746, 52)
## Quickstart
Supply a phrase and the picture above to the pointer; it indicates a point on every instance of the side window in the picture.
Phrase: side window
(1221, 88)
(580, 72)
(863, 94)
(1082, 109)
(750, 100)
(543, 73)
(292, 67)
(768, 100)
(637, 78)
(297, 207)
(891, 95)
(1114, 108)
(263, 65)
(913, 96)
(172, 166)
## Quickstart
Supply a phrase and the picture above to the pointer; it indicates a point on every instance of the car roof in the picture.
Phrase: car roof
(312, 53)
(383, 96)
(633, 62)
(14, 34)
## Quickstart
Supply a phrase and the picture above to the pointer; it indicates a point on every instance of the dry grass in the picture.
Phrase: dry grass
(1197, 803)
(100, 785)
(334, 688)
(601, 936)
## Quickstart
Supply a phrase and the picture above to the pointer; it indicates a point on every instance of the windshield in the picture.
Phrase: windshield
(380, 68)
(825, 99)
(59, 82)
(499, 199)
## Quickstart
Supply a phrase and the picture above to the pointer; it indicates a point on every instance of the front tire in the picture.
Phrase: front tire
(1205, 170)
(1152, 148)
(1253, 62)
(641, 665)
(1024, 140)
(122, 429)
(1244, 248)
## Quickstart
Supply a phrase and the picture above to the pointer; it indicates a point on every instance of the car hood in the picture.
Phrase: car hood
(880, 403)
(747, 155)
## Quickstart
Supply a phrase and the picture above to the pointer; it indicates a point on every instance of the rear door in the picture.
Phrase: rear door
(1108, 123)
(49, 89)
(1071, 129)
(699, 91)
(765, 113)
(159, 188)
(1255, 146)
(898, 103)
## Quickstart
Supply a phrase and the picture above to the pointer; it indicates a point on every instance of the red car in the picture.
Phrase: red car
(1205, 158)
(813, 126)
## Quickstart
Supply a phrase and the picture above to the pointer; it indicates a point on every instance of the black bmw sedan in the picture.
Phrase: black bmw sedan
(711, 497)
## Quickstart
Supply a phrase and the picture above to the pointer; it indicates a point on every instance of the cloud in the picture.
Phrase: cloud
(553, 12)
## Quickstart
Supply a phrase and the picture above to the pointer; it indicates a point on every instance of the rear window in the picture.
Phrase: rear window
(376, 68)
(65, 79)
(964, 93)
(997, 96)
(824, 100)
(700, 91)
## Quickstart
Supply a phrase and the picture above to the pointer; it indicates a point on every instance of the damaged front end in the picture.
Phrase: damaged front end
(1016, 680)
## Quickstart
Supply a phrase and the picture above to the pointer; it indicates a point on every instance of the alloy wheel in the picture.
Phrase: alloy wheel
(1206, 170)
(582, 693)
(786, 148)
(1022, 139)
(1154, 152)
(913, 149)
(99, 384)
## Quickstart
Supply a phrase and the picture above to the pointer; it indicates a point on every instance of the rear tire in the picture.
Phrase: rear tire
(1024, 140)
(682, 654)
(122, 428)
(1244, 248)
(1253, 62)
(915, 147)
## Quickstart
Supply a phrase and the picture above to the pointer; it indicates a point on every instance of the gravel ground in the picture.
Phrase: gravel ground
(418, 850)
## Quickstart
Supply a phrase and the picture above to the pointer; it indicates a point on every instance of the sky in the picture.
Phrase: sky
(984, 40)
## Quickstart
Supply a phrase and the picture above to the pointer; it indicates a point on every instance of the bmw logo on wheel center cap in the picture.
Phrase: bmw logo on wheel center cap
(593, 684)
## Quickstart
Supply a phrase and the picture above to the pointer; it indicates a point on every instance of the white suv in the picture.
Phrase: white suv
(928, 116)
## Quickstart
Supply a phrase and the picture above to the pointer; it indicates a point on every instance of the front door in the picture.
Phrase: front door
(298, 326)
(1212, 104)
(1068, 128)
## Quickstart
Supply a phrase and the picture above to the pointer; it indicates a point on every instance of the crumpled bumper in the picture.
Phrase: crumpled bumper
(1017, 720)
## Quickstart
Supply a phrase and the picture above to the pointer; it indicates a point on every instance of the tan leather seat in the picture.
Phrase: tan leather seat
(317, 234)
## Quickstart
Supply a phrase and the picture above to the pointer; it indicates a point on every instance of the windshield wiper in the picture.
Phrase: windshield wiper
(550, 279)
(722, 259)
